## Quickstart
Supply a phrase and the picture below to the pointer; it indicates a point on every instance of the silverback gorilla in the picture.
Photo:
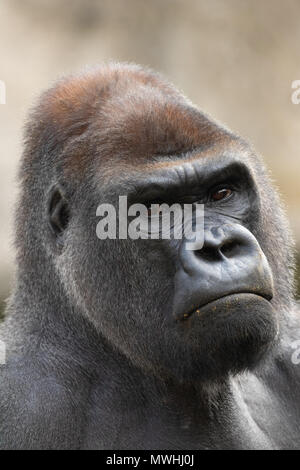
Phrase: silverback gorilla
(143, 344)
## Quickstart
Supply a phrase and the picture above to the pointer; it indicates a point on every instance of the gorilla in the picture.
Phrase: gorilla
(124, 343)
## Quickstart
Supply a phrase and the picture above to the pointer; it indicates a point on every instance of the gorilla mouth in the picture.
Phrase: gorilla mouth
(199, 310)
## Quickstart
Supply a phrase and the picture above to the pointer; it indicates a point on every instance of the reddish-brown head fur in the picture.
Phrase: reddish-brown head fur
(120, 112)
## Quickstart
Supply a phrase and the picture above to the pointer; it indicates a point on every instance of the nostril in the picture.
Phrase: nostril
(209, 254)
(231, 248)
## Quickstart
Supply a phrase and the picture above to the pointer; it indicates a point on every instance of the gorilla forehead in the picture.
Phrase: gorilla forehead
(182, 172)
(120, 110)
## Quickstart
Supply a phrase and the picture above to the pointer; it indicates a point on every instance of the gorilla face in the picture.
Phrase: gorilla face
(193, 315)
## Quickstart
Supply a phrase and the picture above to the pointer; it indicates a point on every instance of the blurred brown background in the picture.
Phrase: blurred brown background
(236, 59)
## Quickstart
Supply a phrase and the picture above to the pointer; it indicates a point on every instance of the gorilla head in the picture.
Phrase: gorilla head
(192, 316)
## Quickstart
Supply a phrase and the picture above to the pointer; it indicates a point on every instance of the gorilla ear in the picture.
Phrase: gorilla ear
(58, 211)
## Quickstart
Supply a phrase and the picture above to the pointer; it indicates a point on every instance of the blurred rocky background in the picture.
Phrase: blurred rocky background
(236, 59)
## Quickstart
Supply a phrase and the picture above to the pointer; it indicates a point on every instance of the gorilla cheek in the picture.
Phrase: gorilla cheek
(130, 311)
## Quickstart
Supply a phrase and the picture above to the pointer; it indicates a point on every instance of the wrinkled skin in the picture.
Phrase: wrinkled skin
(123, 344)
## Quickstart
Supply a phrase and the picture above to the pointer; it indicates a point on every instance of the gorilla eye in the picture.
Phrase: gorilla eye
(222, 193)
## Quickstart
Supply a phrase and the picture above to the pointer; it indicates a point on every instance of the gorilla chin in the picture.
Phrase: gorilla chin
(227, 336)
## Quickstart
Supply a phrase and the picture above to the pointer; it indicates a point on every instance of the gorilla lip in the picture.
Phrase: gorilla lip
(198, 309)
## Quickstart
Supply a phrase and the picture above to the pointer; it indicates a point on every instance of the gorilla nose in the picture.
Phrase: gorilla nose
(220, 243)
(230, 262)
